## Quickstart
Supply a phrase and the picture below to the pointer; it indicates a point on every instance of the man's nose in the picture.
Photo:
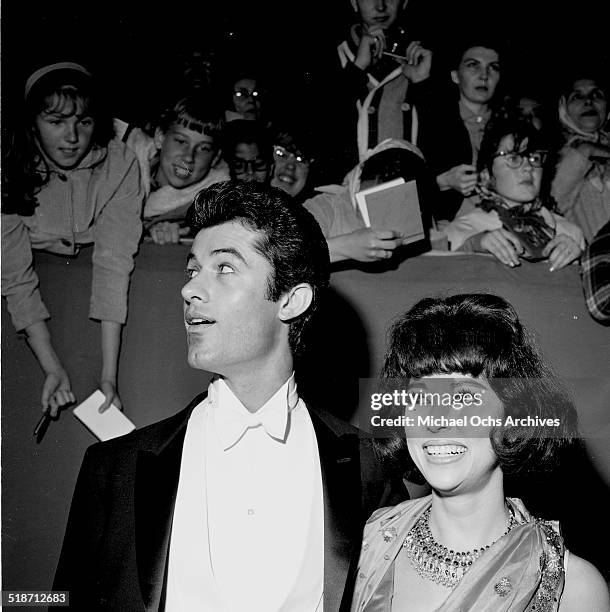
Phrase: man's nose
(381, 5)
(194, 289)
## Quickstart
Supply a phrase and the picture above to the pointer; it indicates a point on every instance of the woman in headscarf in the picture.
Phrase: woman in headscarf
(581, 184)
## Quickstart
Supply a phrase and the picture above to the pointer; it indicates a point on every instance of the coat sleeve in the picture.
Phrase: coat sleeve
(19, 280)
(117, 231)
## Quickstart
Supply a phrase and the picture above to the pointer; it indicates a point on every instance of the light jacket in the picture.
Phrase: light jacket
(99, 202)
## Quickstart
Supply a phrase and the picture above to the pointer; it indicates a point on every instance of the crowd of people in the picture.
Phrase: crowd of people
(495, 172)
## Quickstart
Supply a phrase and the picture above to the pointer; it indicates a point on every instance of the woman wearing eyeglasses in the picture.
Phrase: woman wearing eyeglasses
(246, 147)
(246, 97)
(511, 217)
(292, 159)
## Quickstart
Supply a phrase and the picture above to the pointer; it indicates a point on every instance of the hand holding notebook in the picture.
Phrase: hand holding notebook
(393, 206)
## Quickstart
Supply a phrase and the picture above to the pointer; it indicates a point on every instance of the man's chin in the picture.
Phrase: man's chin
(198, 361)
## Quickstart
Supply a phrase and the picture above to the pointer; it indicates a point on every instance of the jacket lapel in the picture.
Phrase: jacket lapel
(156, 484)
(340, 463)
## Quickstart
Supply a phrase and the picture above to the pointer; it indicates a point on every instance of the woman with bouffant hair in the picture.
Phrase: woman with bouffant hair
(466, 546)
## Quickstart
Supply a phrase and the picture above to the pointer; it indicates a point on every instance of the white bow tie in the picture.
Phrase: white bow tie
(233, 421)
(232, 425)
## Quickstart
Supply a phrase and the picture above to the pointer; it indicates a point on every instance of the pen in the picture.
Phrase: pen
(394, 55)
(41, 426)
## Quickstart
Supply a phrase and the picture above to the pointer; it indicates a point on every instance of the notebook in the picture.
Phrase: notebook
(395, 206)
(109, 424)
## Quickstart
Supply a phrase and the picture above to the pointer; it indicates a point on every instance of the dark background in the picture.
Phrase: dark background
(133, 46)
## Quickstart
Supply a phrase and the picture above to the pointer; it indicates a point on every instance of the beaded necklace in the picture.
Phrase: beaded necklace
(436, 562)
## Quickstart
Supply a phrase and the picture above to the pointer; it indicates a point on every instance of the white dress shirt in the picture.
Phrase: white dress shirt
(248, 527)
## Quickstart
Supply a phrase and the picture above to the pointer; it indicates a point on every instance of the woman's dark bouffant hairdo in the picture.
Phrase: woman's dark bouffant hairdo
(481, 335)
(26, 170)
(290, 239)
(509, 122)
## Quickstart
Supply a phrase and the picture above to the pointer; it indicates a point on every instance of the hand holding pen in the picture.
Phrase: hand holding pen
(56, 394)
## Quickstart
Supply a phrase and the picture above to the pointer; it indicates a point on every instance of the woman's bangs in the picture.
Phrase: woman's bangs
(67, 102)
(444, 351)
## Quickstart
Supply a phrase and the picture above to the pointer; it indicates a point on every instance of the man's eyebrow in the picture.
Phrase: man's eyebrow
(190, 257)
(230, 251)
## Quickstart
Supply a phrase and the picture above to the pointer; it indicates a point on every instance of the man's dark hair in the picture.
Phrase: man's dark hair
(481, 335)
(289, 238)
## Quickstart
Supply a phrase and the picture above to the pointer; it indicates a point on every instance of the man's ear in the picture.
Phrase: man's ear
(454, 77)
(295, 302)
(159, 138)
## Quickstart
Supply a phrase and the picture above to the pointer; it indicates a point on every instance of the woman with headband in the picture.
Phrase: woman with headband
(67, 184)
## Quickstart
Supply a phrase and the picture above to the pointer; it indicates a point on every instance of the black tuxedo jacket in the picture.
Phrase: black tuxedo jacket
(116, 545)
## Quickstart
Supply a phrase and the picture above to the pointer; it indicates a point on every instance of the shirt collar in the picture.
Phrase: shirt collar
(233, 420)
(468, 116)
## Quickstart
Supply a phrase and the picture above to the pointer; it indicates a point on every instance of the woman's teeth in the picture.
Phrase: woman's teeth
(446, 449)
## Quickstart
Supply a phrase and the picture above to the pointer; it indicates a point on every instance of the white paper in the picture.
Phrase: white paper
(107, 425)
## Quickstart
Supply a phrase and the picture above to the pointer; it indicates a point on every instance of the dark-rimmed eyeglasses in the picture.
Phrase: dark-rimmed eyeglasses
(515, 160)
(241, 166)
(281, 154)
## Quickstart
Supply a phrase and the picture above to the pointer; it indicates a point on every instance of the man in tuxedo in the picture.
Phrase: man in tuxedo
(248, 499)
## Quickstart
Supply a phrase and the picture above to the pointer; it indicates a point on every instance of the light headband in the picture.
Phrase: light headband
(36, 76)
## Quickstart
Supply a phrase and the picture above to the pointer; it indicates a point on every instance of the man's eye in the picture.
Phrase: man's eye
(191, 272)
(54, 121)
(203, 150)
(180, 141)
(87, 122)
(225, 269)
(495, 67)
